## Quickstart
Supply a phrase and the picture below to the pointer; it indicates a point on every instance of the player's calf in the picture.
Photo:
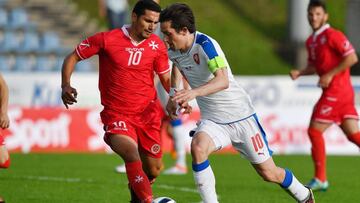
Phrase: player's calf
(355, 138)
(4, 155)
(139, 181)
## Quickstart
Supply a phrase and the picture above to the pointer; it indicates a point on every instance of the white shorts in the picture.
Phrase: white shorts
(246, 136)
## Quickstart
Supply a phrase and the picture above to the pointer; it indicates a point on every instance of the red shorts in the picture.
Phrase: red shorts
(144, 128)
(334, 109)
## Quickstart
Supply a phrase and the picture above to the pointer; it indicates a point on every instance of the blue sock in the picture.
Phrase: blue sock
(201, 166)
(288, 179)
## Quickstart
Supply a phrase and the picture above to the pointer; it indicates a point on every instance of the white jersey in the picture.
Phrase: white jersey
(205, 55)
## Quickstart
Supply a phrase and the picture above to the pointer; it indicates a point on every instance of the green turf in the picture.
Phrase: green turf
(54, 178)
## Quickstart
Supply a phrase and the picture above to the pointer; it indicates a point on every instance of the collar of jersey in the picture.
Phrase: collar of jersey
(321, 30)
(126, 33)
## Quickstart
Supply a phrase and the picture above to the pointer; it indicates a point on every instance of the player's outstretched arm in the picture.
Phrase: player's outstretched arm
(4, 101)
(68, 94)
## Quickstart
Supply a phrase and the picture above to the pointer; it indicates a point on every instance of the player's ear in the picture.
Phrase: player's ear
(326, 17)
(133, 17)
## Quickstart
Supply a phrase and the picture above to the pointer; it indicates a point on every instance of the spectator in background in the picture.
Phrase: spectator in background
(116, 12)
(330, 55)
(4, 122)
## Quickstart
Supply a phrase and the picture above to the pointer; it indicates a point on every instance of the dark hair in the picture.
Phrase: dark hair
(317, 3)
(143, 5)
(180, 16)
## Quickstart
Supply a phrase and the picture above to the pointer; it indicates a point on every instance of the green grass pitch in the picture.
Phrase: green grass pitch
(60, 178)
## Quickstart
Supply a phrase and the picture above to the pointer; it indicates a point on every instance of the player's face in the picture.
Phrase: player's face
(174, 40)
(317, 17)
(145, 24)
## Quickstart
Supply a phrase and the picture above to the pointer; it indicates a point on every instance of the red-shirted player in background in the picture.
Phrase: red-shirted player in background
(330, 56)
(4, 123)
(128, 58)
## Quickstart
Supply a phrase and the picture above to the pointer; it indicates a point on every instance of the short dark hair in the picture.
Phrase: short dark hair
(317, 3)
(143, 5)
(180, 16)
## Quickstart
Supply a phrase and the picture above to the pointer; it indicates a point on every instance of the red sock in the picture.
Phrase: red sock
(355, 138)
(6, 164)
(318, 153)
(139, 182)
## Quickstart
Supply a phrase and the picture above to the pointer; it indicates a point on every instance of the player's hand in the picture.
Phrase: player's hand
(184, 96)
(171, 108)
(325, 80)
(4, 120)
(294, 74)
(68, 95)
(185, 108)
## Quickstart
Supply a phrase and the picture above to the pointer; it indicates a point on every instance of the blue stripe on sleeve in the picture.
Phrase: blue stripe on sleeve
(207, 45)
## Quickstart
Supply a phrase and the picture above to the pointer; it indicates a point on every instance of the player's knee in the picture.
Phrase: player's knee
(198, 153)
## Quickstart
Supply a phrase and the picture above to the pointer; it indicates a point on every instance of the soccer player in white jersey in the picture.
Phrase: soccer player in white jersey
(227, 115)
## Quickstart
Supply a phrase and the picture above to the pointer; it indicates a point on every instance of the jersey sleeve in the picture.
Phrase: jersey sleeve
(339, 42)
(161, 63)
(215, 61)
(90, 46)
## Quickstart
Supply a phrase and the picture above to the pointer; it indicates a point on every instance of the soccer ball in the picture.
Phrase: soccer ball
(163, 200)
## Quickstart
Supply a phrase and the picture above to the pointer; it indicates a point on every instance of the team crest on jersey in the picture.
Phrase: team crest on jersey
(323, 40)
(196, 58)
(153, 45)
(155, 148)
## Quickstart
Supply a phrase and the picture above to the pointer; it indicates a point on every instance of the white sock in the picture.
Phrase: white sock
(179, 141)
(291, 183)
(205, 182)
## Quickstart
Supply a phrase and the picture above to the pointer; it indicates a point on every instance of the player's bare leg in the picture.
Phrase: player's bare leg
(179, 138)
(152, 167)
(127, 149)
(4, 154)
(318, 153)
(285, 178)
(201, 146)
(351, 129)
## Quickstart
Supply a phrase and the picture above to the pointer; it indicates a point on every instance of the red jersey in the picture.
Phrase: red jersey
(126, 68)
(326, 49)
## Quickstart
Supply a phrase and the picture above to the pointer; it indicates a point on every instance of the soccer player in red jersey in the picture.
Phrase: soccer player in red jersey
(4, 123)
(330, 55)
(128, 58)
